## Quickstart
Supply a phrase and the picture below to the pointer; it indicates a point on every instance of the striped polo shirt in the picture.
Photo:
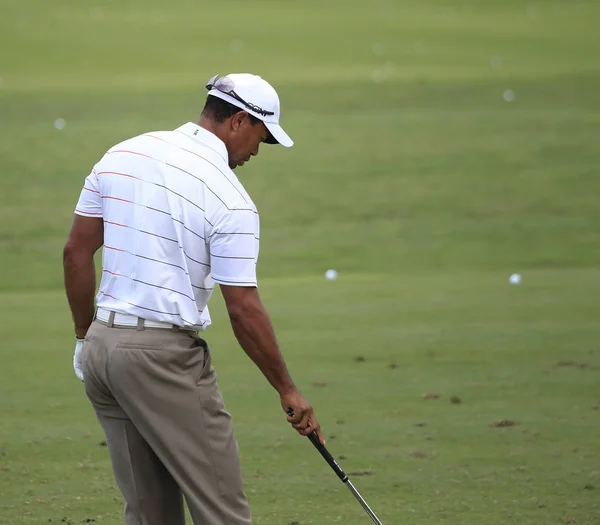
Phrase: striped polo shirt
(176, 221)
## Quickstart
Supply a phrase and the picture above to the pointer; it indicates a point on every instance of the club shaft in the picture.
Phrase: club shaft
(342, 475)
(364, 504)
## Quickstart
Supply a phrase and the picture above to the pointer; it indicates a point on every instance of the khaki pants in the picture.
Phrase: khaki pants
(156, 397)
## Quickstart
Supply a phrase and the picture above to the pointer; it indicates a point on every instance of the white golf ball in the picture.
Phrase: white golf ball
(509, 95)
(515, 278)
(330, 275)
(60, 123)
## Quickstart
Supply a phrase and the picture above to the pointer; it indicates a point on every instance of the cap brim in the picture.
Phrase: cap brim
(278, 136)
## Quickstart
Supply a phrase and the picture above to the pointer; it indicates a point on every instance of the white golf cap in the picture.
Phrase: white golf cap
(254, 95)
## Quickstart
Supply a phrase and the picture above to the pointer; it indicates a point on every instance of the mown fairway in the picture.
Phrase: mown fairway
(411, 175)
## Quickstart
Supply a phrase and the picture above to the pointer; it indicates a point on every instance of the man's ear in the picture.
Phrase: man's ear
(238, 119)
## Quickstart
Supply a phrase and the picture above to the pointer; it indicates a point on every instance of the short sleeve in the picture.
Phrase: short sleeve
(234, 244)
(90, 200)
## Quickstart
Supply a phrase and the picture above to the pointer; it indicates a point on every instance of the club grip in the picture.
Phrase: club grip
(314, 439)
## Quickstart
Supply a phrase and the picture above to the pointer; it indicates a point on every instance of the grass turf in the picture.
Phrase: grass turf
(412, 176)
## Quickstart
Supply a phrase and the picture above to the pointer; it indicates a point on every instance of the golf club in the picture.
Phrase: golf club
(314, 439)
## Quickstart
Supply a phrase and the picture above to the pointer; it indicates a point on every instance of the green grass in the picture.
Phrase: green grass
(411, 175)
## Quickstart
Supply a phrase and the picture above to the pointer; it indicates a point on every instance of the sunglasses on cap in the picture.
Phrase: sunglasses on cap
(226, 86)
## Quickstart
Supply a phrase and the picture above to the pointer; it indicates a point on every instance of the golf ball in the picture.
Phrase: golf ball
(330, 275)
(515, 278)
(509, 95)
(60, 123)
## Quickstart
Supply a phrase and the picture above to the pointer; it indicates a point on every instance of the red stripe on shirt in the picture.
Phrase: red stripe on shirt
(131, 152)
(116, 249)
(116, 199)
(155, 137)
(90, 189)
(113, 273)
(117, 173)
(116, 224)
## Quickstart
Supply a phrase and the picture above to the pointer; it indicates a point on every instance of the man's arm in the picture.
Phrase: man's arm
(253, 330)
(85, 237)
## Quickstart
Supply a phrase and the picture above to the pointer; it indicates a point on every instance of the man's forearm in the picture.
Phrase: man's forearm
(254, 332)
(80, 285)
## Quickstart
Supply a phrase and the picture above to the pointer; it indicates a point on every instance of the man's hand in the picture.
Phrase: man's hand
(300, 414)
(77, 364)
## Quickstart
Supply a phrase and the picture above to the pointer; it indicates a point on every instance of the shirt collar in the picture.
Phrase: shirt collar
(205, 137)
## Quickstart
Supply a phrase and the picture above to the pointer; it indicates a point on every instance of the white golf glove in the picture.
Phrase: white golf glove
(77, 364)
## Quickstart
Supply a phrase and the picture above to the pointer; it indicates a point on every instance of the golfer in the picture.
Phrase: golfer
(173, 220)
